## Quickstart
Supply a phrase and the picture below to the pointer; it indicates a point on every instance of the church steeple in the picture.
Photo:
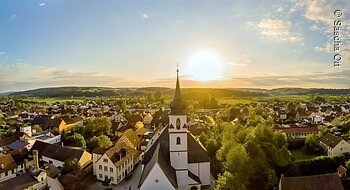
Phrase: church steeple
(177, 106)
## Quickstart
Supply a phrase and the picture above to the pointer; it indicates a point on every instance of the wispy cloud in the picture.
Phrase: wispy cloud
(145, 15)
(3, 52)
(276, 30)
(41, 4)
(22, 76)
(13, 17)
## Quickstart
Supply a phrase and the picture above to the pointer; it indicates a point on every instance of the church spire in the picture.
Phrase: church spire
(177, 89)
(177, 106)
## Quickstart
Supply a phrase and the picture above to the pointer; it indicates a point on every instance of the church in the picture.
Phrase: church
(173, 158)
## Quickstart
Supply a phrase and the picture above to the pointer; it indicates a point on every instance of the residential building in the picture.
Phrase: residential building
(314, 182)
(115, 163)
(334, 145)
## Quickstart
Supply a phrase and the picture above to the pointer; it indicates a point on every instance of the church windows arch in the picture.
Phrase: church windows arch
(178, 140)
(178, 124)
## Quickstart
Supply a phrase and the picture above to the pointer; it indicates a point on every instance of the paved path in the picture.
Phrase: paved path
(131, 183)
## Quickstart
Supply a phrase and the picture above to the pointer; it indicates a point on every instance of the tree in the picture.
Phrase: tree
(251, 154)
(70, 165)
(322, 130)
(347, 164)
(76, 140)
(311, 143)
(37, 128)
(98, 126)
(101, 141)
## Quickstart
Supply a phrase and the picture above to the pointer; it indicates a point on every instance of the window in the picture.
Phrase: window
(105, 160)
(178, 140)
(111, 169)
(106, 169)
(112, 179)
(100, 176)
(178, 124)
(6, 173)
(100, 167)
(156, 180)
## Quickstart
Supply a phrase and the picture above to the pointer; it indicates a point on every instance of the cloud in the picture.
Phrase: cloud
(276, 30)
(13, 17)
(145, 15)
(41, 4)
(298, 4)
(321, 15)
(3, 52)
(314, 27)
(22, 76)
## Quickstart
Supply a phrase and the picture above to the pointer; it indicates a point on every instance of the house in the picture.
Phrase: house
(147, 119)
(130, 138)
(58, 123)
(282, 114)
(341, 170)
(174, 159)
(8, 167)
(115, 163)
(57, 155)
(298, 131)
(316, 118)
(36, 179)
(71, 122)
(334, 145)
(315, 182)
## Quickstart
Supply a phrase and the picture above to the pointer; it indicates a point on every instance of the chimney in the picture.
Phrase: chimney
(26, 165)
(36, 159)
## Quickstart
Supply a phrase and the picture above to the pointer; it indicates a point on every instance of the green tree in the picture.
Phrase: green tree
(347, 164)
(101, 141)
(251, 154)
(70, 165)
(322, 130)
(37, 128)
(311, 143)
(98, 126)
(76, 140)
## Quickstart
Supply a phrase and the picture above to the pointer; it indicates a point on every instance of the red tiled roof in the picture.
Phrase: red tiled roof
(298, 129)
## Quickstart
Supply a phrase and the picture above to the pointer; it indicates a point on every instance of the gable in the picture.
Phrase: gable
(341, 144)
(156, 179)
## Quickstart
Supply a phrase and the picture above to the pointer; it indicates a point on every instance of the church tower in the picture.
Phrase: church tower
(178, 137)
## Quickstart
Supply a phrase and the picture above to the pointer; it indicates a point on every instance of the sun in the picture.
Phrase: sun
(204, 66)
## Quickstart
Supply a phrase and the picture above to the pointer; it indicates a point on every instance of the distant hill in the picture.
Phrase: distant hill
(189, 93)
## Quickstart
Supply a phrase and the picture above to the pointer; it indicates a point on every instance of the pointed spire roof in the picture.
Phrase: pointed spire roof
(177, 106)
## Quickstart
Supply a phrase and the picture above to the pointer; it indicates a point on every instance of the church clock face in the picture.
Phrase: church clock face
(178, 124)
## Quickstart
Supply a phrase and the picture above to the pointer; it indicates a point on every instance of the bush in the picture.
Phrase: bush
(318, 165)
(295, 143)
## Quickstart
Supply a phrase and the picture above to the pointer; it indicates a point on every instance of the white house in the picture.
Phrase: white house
(174, 159)
(147, 119)
(334, 145)
(114, 163)
(8, 167)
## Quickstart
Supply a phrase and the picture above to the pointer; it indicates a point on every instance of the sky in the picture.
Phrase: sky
(221, 44)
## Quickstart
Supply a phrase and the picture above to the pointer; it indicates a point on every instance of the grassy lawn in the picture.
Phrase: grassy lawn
(298, 154)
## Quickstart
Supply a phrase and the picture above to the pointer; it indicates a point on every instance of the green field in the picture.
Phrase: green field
(299, 154)
(234, 101)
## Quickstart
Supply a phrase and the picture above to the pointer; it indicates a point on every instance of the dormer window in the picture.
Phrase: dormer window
(178, 124)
